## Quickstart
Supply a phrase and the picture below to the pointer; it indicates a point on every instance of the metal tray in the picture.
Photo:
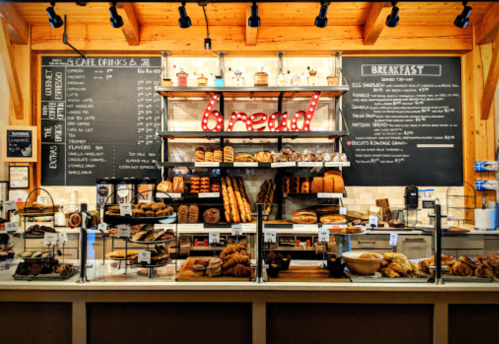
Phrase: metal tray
(45, 277)
(150, 266)
(36, 258)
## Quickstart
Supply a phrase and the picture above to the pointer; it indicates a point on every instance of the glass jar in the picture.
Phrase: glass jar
(238, 79)
(202, 81)
(296, 80)
(219, 81)
(261, 78)
(281, 80)
(332, 80)
(182, 78)
(313, 79)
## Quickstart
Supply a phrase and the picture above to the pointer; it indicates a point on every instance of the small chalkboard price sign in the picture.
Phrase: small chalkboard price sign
(19, 144)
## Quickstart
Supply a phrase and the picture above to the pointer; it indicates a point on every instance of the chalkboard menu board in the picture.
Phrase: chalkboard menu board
(404, 115)
(19, 143)
(99, 119)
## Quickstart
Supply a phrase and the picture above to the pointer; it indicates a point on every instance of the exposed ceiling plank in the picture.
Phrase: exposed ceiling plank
(251, 32)
(130, 24)
(17, 26)
(10, 70)
(487, 28)
(491, 83)
(298, 39)
(376, 22)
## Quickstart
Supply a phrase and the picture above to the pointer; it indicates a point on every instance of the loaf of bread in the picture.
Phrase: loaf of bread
(294, 184)
(305, 184)
(339, 184)
(228, 154)
(317, 185)
(333, 219)
(178, 184)
(218, 154)
(328, 183)
(209, 155)
(183, 213)
(165, 186)
(304, 219)
(199, 154)
(285, 185)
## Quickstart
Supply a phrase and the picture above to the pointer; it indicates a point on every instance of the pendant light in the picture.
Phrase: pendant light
(463, 19)
(254, 19)
(54, 19)
(116, 20)
(392, 20)
(321, 19)
(184, 21)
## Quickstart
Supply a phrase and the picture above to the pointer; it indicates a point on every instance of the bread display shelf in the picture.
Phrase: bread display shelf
(188, 195)
(321, 195)
(379, 279)
(333, 134)
(259, 165)
(307, 274)
(186, 275)
(289, 92)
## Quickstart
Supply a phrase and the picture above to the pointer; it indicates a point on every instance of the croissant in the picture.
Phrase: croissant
(236, 259)
(229, 249)
(242, 271)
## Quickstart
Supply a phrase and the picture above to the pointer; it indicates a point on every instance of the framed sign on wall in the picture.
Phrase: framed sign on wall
(19, 144)
(19, 177)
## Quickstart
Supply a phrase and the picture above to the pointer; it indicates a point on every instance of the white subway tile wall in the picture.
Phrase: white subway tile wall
(186, 115)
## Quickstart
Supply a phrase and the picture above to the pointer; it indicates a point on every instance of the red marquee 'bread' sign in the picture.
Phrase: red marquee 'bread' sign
(260, 118)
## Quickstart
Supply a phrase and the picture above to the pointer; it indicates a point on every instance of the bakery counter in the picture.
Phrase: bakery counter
(114, 307)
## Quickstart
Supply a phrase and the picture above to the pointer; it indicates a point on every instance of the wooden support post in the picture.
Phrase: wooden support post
(79, 322)
(251, 32)
(487, 29)
(491, 83)
(441, 323)
(7, 53)
(17, 26)
(376, 22)
(259, 322)
(130, 24)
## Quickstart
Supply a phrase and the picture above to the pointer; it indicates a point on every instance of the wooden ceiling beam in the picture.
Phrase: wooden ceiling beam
(251, 32)
(10, 70)
(491, 83)
(376, 22)
(487, 28)
(300, 39)
(17, 26)
(130, 24)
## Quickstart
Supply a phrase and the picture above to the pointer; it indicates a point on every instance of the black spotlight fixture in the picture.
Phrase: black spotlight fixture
(463, 19)
(116, 20)
(81, 3)
(254, 19)
(54, 19)
(321, 19)
(184, 21)
(392, 20)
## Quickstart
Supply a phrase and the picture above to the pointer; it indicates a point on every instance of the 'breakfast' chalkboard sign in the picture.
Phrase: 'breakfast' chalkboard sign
(19, 144)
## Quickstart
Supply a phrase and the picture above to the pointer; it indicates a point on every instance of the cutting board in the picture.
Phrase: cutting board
(186, 275)
(306, 274)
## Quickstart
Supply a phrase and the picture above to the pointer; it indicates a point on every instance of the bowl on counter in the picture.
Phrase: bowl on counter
(362, 266)
(168, 219)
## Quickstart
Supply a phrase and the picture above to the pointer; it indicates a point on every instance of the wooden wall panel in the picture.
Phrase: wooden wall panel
(349, 323)
(219, 323)
(40, 323)
(486, 318)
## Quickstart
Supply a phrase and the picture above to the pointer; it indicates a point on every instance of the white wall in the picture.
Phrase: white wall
(4, 115)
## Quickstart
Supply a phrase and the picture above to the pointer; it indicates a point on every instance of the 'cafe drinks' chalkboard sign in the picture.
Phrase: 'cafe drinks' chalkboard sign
(20, 144)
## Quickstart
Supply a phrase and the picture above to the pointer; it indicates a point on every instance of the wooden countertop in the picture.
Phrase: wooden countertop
(108, 278)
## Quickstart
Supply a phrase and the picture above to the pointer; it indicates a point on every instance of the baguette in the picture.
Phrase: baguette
(233, 202)
(225, 196)
(245, 199)
(239, 199)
